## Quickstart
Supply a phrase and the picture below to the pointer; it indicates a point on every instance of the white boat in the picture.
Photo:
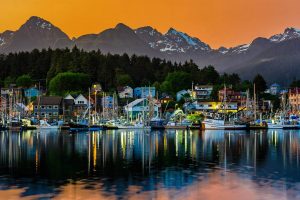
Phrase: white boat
(45, 125)
(279, 122)
(219, 124)
(137, 125)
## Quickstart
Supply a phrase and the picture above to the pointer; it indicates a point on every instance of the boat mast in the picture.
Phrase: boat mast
(254, 102)
(89, 107)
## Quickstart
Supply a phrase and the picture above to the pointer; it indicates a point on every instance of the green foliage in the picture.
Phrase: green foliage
(124, 80)
(260, 83)
(274, 99)
(196, 117)
(295, 83)
(8, 81)
(69, 82)
(112, 70)
(24, 81)
(230, 79)
(215, 93)
(176, 81)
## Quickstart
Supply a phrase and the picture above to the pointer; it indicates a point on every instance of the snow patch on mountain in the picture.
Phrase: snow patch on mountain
(2, 41)
(241, 48)
(171, 42)
(289, 33)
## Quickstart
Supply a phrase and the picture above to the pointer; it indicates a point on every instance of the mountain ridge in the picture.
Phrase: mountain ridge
(174, 45)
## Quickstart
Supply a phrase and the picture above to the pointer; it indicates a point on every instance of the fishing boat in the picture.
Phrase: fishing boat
(135, 125)
(222, 120)
(184, 124)
(44, 125)
(14, 125)
(27, 125)
(80, 125)
(221, 124)
(157, 123)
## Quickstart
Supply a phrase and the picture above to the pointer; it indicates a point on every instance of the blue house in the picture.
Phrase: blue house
(275, 89)
(31, 92)
(107, 102)
(143, 92)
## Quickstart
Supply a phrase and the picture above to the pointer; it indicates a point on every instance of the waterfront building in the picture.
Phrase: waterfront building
(181, 94)
(31, 92)
(49, 107)
(211, 106)
(202, 92)
(166, 99)
(80, 103)
(144, 92)
(232, 96)
(275, 89)
(294, 99)
(68, 109)
(125, 92)
(139, 108)
(107, 102)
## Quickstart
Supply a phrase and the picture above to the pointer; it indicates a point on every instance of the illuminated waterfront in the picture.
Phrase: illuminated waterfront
(148, 165)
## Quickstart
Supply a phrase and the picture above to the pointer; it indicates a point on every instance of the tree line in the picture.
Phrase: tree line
(72, 70)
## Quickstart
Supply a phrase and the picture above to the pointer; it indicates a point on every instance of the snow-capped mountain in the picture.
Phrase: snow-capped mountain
(288, 34)
(5, 37)
(171, 42)
(35, 33)
(277, 57)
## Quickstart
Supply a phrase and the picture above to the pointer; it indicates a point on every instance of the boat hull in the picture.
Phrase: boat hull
(220, 125)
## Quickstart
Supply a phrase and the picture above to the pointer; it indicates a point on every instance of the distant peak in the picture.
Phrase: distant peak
(291, 29)
(39, 22)
(149, 28)
(289, 33)
(122, 26)
(172, 30)
(35, 19)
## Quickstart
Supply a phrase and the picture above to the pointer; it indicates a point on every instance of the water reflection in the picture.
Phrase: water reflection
(143, 164)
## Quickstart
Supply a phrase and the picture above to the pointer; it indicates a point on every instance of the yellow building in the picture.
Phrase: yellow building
(294, 99)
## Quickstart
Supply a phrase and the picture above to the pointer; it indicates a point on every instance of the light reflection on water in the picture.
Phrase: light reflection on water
(150, 165)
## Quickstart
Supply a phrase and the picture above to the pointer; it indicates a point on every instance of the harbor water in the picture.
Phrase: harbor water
(131, 164)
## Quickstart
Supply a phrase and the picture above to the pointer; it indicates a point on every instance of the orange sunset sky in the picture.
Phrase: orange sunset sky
(216, 22)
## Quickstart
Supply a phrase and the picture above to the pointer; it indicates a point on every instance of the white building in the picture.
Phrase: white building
(125, 92)
(202, 92)
(212, 106)
(139, 108)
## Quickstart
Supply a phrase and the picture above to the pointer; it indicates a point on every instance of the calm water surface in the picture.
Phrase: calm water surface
(150, 165)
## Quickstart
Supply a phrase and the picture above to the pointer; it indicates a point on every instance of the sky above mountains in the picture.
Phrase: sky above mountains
(216, 22)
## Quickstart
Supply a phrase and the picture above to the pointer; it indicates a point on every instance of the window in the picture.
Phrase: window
(55, 113)
(35, 114)
(43, 107)
(35, 107)
(55, 107)
(49, 107)
(43, 114)
(50, 114)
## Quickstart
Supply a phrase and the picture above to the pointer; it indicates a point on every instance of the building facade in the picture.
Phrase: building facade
(125, 92)
(294, 99)
(49, 107)
(139, 108)
(229, 95)
(202, 92)
(31, 92)
(144, 92)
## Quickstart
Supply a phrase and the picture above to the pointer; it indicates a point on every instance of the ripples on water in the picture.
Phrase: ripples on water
(150, 165)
